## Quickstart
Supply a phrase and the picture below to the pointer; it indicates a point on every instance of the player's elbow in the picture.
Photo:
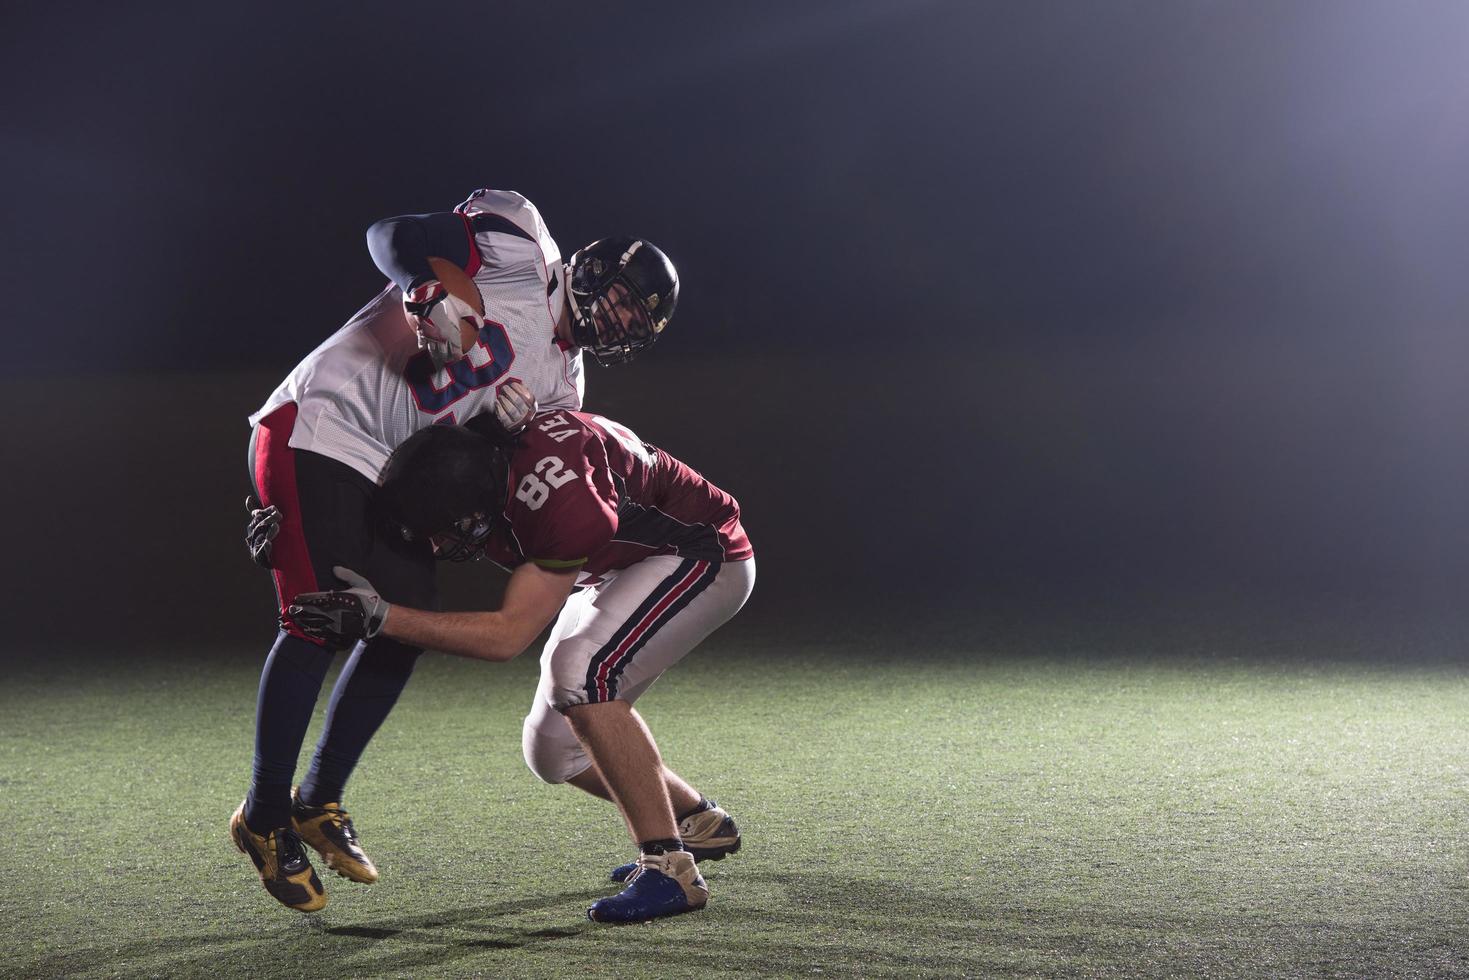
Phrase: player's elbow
(502, 642)
(496, 651)
(381, 236)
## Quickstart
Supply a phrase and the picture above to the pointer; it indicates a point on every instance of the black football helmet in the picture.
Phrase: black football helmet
(622, 293)
(445, 485)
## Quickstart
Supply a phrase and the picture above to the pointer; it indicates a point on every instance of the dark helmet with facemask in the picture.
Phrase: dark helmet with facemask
(622, 293)
(445, 485)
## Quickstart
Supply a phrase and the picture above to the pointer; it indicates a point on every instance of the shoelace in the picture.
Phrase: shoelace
(661, 863)
(288, 849)
(345, 823)
(340, 820)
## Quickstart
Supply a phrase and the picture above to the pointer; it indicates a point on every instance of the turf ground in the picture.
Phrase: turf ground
(944, 813)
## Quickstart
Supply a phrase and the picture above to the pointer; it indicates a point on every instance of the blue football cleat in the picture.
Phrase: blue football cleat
(665, 884)
(708, 835)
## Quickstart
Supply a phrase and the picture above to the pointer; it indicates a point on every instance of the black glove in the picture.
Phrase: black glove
(265, 524)
(341, 617)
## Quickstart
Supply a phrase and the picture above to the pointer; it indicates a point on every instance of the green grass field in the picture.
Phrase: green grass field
(934, 813)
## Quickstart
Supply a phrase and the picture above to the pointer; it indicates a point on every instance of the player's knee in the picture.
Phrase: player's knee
(291, 630)
(390, 656)
(563, 697)
(553, 760)
(301, 654)
(569, 675)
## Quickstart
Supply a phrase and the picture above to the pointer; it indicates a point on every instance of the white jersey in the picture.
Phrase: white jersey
(368, 387)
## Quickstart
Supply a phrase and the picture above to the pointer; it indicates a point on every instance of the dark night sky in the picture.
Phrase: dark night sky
(1188, 274)
(845, 173)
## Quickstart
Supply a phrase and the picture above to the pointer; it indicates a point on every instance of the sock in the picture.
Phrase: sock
(661, 846)
(289, 685)
(365, 693)
(700, 807)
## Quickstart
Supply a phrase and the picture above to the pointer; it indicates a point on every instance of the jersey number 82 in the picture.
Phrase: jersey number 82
(545, 476)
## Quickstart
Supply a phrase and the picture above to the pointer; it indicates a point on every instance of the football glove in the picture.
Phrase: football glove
(260, 532)
(434, 314)
(341, 617)
(515, 406)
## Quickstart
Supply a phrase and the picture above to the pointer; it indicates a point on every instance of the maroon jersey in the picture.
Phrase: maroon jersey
(585, 492)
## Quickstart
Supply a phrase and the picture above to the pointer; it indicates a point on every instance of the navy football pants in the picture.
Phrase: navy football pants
(327, 519)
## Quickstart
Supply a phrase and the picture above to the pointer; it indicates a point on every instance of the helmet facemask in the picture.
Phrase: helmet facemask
(622, 294)
(462, 540)
(444, 486)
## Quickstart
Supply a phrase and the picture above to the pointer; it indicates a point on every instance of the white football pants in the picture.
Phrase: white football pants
(613, 640)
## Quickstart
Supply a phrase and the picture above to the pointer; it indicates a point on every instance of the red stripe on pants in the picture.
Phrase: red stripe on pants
(275, 481)
(631, 639)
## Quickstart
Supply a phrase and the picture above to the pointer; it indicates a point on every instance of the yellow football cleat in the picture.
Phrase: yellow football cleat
(281, 861)
(328, 829)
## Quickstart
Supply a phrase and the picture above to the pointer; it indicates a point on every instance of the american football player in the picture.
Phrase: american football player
(659, 560)
(481, 319)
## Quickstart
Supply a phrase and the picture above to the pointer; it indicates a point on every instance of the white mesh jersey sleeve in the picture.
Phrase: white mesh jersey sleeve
(368, 387)
(517, 267)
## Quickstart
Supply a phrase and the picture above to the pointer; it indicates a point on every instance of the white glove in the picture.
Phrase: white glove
(515, 406)
(434, 313)
(342, 616)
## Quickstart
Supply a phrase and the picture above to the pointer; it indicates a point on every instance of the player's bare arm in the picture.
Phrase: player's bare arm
(533, 596)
